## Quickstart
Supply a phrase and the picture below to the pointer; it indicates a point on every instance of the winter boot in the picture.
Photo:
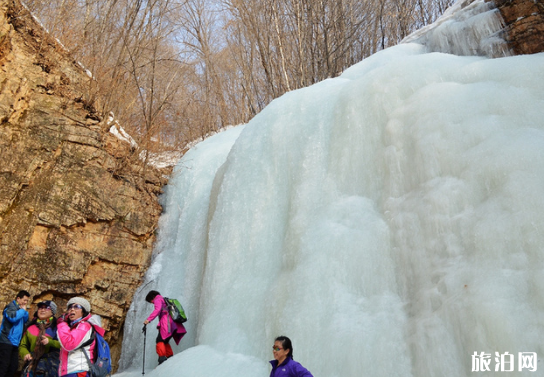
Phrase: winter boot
(162, 359)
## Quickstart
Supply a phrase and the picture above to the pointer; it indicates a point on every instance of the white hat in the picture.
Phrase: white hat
(81, 301)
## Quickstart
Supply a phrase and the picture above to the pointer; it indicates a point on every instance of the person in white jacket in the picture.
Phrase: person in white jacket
(74, 330)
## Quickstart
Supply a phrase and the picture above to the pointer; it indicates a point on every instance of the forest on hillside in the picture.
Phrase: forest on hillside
(175, 70)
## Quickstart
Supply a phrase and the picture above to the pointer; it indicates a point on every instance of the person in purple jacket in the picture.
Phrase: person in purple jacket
(283, 364)
(168, 329)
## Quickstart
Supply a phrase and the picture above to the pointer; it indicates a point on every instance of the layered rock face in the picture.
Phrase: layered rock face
(77, 213)
(524, 25)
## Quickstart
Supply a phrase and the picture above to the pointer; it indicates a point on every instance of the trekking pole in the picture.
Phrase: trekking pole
(145, 335)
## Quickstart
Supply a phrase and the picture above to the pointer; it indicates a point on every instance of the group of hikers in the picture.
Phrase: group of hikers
(64, 345)
(49, 346)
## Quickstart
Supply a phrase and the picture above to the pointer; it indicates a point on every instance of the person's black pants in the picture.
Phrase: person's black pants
(9, 359)
(161, 340)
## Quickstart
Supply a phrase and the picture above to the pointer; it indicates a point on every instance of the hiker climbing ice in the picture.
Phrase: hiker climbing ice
(168, 327)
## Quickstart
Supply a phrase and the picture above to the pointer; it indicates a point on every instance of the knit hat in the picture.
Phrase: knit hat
(81, 301)
(51, 304)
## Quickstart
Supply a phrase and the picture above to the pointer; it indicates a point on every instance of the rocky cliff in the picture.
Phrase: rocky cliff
(524, 25)
(77, 212)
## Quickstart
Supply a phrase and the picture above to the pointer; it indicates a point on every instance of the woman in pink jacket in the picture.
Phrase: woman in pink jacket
(74, 330)
(168, 329)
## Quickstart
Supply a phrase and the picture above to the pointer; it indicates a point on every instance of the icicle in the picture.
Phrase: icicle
(465, 29)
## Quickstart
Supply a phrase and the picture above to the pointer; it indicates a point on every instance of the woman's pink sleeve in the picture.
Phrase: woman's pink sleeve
(157, 301)
(70, 339)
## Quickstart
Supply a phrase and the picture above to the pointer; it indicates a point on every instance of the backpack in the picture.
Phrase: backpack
(102, 364)
(175, 310)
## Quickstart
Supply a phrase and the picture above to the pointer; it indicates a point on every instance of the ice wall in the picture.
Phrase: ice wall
(390, 221)
(467, 28)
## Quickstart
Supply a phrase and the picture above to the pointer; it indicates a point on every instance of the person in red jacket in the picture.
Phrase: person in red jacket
(168, 329)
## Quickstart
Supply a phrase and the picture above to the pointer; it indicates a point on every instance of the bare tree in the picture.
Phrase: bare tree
(175, 70)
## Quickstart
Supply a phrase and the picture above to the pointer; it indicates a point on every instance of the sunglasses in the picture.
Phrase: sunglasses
(42, 306)
(74, 306)
(274, 348)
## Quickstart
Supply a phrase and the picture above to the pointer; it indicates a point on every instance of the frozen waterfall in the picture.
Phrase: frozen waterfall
(389, 221)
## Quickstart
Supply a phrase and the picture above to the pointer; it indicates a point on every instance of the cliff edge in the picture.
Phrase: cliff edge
(77, 211)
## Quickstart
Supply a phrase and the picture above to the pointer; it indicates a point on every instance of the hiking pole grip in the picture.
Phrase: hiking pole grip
(144, 330)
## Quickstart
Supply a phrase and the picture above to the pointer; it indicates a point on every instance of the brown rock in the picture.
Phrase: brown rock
(524, 25)
(78, 211)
